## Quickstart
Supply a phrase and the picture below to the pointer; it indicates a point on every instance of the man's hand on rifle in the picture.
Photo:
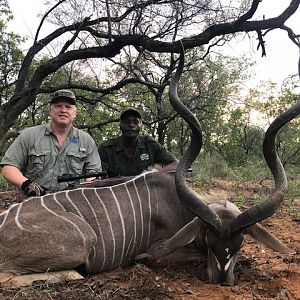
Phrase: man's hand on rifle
(32, 189)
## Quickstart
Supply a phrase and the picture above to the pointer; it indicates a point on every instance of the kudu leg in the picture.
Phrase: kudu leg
(29, 279)
(43, 241)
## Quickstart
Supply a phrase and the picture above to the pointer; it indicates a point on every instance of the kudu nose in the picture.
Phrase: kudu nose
(226, 283)
(225, 280)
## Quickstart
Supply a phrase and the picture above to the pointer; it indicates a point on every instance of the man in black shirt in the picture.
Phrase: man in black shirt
(131, 154)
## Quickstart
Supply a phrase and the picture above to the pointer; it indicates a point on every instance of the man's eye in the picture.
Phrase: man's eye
(135, 122)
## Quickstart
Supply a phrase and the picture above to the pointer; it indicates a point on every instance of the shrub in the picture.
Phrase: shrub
(204, 169)
(4, 185)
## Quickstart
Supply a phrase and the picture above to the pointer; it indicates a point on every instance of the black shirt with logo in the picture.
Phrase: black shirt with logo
(116, 160)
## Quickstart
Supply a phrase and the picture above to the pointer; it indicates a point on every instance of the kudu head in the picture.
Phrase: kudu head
(225, 228)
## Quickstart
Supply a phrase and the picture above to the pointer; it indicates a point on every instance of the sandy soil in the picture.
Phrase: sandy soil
(261, 273)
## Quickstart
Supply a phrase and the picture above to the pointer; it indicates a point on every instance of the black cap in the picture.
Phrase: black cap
(63, 95)
(130, 112)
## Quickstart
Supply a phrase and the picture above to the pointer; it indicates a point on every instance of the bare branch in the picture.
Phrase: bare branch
(109, 20)
(261, 43)
(44, 18)
(75, 35)
(249, 14)
(296, 40)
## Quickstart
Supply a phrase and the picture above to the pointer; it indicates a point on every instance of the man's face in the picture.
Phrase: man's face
(130, 126)
(63, 113)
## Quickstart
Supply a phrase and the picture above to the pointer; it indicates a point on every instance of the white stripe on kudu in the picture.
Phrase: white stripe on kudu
(5, 213)
(111, 230)
(17, 217)
(64, 218)
(72, 203)
(134, 221)
(150, 212)
(55, 198)
(122, 224)
(98, 226)
(142, 217)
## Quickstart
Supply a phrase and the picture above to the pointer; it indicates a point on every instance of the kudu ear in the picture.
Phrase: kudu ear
(181, 238)
(266, 238)
(186, 234)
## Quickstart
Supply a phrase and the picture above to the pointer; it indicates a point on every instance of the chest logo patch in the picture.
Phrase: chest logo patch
(144, 156)
(74, 141)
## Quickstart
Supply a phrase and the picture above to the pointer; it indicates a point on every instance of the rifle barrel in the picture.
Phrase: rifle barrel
(71, 177)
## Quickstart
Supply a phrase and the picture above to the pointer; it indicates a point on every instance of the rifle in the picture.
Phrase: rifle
(92, 184)
(71, 177)
(102, 182)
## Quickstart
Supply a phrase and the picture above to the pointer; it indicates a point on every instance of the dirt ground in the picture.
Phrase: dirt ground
(261, 273)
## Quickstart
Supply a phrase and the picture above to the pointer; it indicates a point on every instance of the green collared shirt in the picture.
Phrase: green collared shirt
(38, 155)
(116, 160)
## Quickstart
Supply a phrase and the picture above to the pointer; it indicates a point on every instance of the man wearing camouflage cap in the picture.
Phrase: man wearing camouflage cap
(42, 153)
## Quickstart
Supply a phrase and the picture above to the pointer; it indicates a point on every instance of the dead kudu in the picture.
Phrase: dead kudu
(100, 229)
(221, 227)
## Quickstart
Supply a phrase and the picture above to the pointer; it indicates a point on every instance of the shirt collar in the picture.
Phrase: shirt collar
(120, 147)
(73, 132)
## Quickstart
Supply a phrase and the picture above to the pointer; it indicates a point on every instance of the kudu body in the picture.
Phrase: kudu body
(99, 229)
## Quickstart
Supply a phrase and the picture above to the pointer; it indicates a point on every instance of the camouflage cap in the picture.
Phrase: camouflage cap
(63, 95)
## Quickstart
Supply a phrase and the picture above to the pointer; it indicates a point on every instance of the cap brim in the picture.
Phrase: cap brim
(130, 112)
(63, 99)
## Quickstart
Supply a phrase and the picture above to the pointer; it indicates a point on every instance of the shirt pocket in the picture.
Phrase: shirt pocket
(76, 161)
(37, 162)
